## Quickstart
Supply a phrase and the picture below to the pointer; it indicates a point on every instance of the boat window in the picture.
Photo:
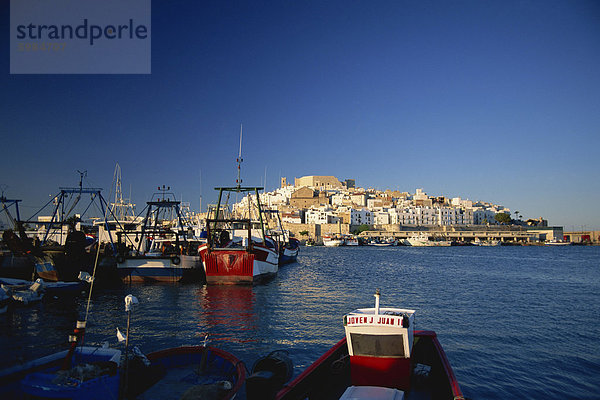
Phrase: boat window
(377, 345)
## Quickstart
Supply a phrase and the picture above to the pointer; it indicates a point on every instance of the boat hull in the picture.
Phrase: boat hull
(239, 266)
(180, 268)
(288, 256)
(330, 375)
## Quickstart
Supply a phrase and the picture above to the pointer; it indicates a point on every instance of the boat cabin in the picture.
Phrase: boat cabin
(380, 346)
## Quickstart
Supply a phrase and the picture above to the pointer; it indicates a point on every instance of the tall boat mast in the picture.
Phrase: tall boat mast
(239, 162)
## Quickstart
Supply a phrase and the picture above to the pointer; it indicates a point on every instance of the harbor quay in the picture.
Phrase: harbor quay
(505, 234)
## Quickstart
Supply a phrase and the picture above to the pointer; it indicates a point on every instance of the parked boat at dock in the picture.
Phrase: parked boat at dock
(557, 243)
(288, 246)
(382, 356)
(26, 292)
(166, 251)
(238, 249)
(290, 250)
(486, 243)
(350, 240)
(5, 300)
(332, 240)
(423, 240)
(45, 378)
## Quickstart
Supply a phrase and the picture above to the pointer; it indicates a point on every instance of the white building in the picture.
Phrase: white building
(458, 202)
(338, 199)
(321, 215)
(360, 217)
(455, 216)
(483, 216)
(359, 199)
(277, 197)
(381, 217)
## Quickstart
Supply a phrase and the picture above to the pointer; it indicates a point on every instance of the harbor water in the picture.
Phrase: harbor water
(515, 322)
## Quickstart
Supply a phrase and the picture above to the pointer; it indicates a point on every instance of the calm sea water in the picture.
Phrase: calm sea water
(516, 322)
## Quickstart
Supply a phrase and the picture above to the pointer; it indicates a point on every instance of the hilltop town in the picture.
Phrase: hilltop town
(315, 205)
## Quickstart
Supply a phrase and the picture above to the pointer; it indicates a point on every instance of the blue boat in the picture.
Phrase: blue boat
(289, 252)
(85, 373)
(187, 372)
(79, 373)
(287, 246)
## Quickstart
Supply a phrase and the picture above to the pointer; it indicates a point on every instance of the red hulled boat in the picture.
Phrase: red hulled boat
(238, 251)
(381, 357)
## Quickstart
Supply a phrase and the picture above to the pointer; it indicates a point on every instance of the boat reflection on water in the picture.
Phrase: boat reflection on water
(228, 311)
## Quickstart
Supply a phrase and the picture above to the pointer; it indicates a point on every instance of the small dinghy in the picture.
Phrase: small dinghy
(192, 372)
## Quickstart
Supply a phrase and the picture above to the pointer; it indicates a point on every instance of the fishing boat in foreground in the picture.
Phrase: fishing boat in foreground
(192, 372)
(382, 357)
(82, 372)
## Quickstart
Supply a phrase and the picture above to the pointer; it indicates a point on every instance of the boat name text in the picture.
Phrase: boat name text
(375, 321)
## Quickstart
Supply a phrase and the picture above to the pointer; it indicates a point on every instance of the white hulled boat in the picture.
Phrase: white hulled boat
(332, 241)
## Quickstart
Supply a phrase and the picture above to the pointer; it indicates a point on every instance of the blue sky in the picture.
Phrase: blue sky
(488, 100)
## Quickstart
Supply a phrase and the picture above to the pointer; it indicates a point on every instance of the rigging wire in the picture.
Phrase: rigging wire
(89, 300)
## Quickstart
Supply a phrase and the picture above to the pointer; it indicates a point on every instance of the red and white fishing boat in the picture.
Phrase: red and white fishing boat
(238, 250)
(235, 253)
(382, 357)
